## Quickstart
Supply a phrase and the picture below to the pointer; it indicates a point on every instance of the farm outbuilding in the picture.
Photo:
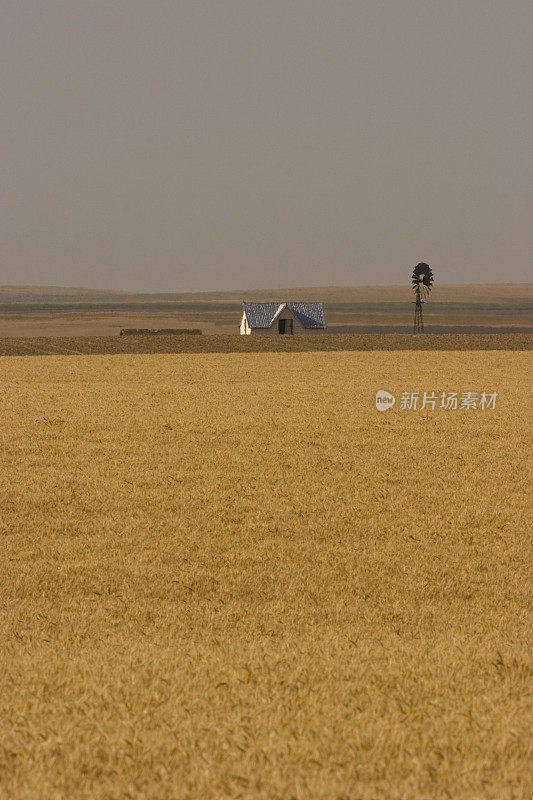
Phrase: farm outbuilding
(282, 318)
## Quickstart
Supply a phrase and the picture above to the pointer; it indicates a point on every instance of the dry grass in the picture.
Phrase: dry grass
(230, 576)
(108, 345)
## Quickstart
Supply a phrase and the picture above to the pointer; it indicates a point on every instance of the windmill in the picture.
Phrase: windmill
(421, 282)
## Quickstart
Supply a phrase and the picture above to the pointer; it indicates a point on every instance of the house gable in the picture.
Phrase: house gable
(284, 312)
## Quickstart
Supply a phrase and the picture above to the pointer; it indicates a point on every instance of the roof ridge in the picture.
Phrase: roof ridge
(262, 313)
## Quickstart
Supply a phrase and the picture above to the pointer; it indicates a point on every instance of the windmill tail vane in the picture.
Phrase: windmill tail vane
(421, 281)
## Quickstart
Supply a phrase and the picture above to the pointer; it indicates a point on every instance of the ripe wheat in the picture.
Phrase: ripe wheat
(230, 576)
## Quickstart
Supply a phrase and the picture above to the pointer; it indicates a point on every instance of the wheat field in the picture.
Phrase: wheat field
(230, 576)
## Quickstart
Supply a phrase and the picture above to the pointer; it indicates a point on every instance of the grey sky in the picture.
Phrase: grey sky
(219, 144)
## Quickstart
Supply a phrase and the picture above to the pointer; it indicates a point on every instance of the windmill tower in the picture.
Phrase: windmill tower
(422, 281)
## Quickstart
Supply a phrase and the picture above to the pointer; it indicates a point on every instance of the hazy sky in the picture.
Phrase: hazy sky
(218, 144)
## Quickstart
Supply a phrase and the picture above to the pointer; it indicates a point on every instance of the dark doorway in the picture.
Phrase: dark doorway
(285, 326)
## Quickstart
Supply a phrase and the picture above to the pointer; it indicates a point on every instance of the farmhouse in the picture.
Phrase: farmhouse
(284, 318)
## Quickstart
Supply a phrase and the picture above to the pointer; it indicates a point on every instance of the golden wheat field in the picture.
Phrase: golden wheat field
(230, 576)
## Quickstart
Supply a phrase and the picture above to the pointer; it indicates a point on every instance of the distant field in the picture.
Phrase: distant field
(53, 311)
(478, 292)
(229, 576)
(101, 345)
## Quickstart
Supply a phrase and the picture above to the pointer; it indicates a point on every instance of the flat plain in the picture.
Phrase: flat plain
(30, 311)
(230, 576)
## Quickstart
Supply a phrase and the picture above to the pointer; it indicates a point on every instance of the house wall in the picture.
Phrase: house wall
(244, 329)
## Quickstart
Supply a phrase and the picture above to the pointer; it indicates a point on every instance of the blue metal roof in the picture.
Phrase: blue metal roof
(261, 315)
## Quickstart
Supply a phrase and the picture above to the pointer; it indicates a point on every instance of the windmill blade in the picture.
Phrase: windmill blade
(422, 277)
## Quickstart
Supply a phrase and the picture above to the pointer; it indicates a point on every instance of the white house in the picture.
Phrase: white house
(284, 318)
